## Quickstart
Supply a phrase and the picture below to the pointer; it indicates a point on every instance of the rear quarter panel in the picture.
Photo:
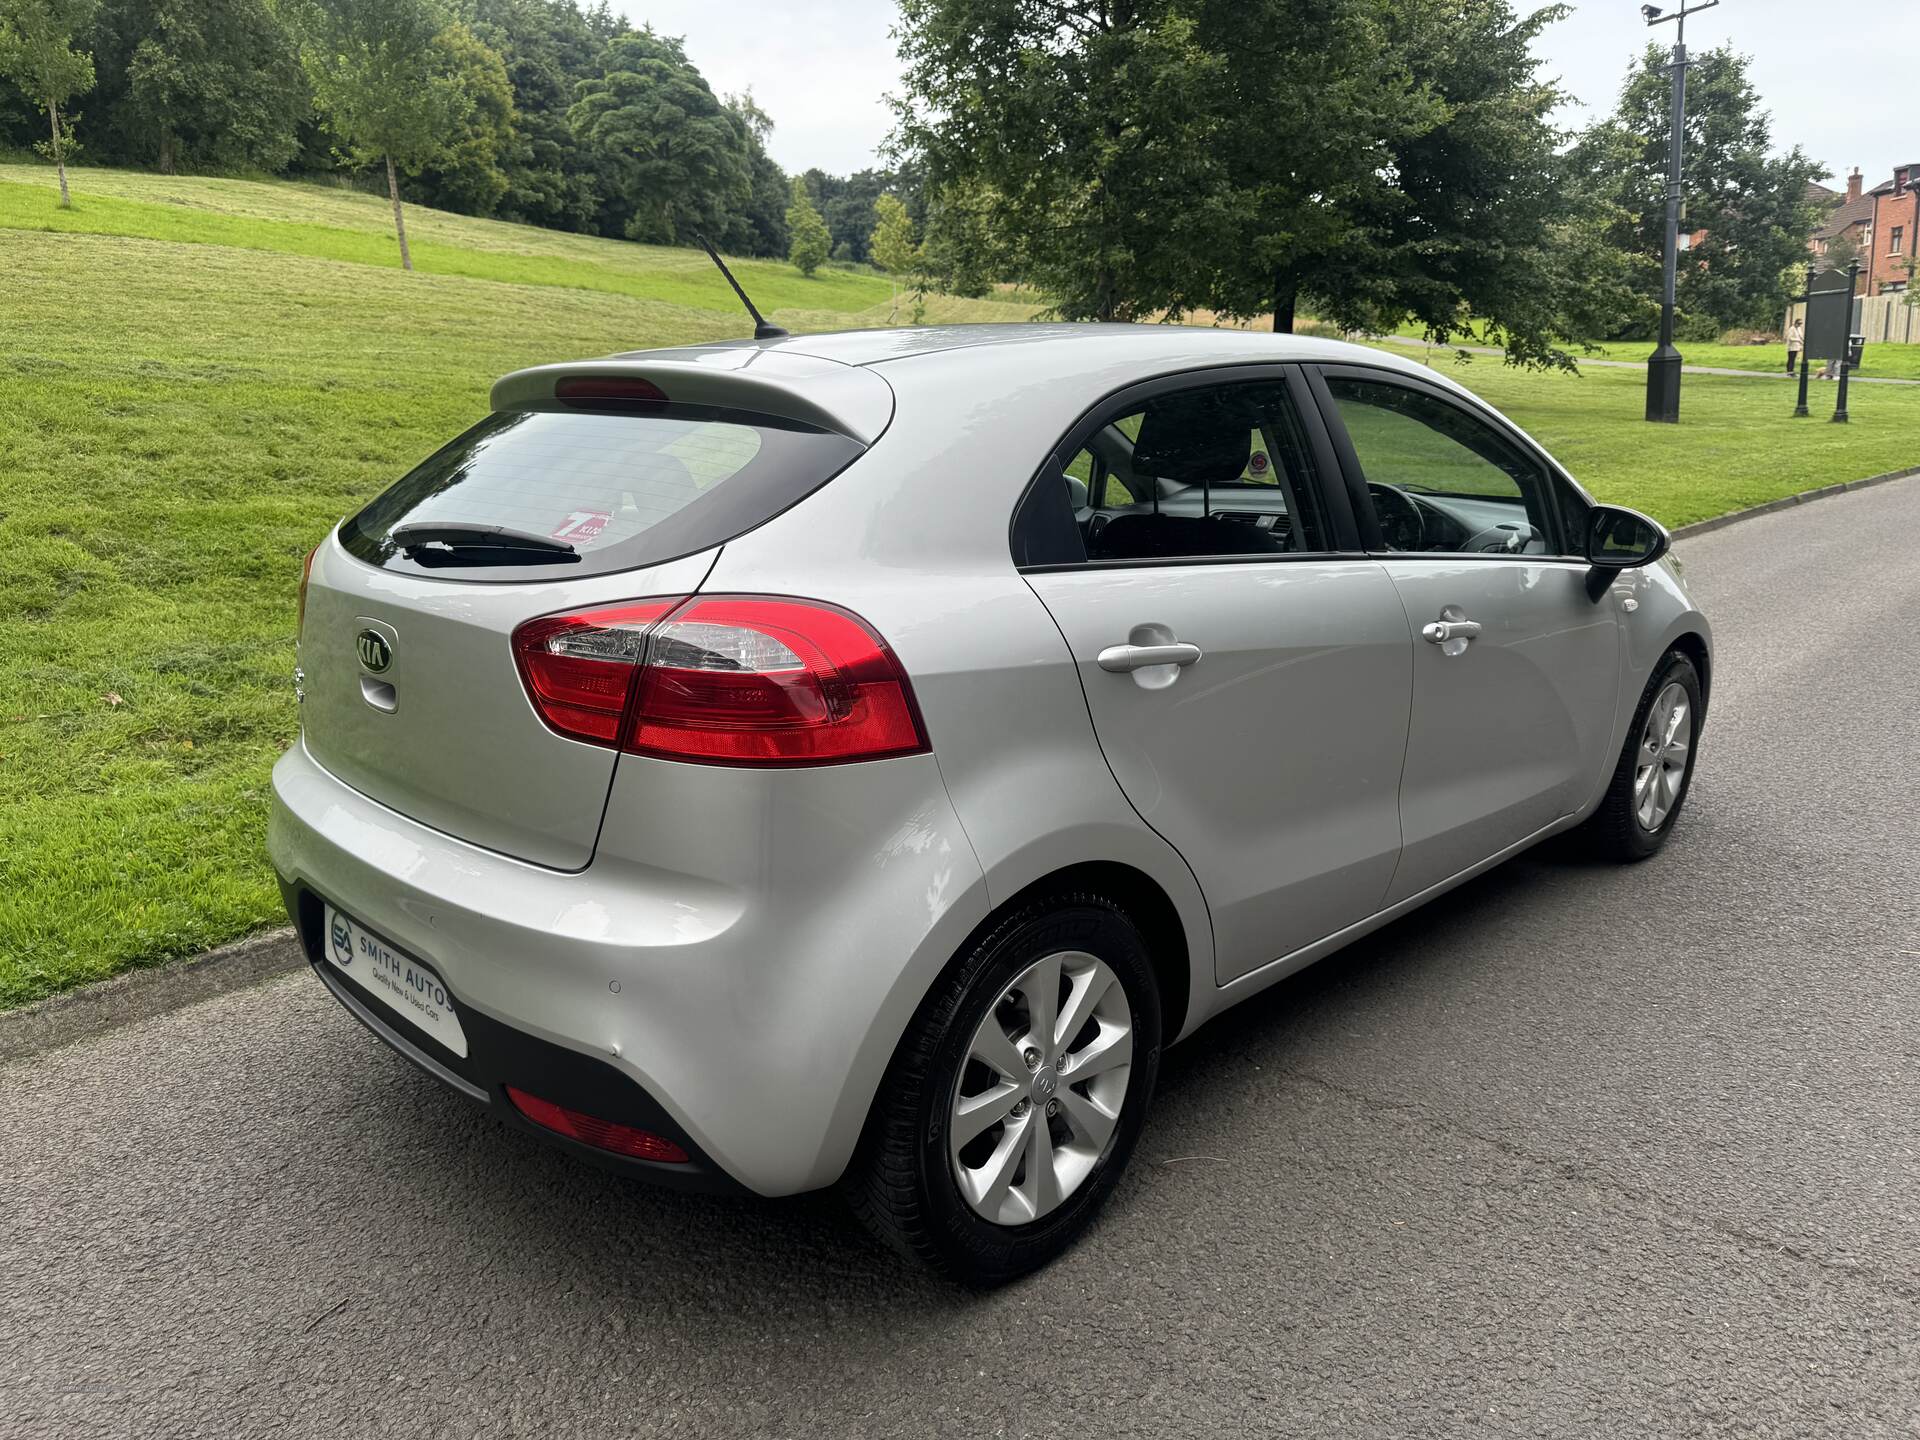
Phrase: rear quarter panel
(914, 538)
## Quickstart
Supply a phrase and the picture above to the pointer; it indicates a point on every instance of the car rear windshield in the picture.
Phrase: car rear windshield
(621, 488)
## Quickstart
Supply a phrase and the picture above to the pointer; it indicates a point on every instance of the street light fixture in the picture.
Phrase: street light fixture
(1663, 366)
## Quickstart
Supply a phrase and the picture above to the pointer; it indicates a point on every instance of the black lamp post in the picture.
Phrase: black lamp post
(1806, 316)
(1846, 340)
(1663, 366)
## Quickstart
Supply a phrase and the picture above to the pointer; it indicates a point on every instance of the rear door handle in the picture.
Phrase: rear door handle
(1120, 659)
(1441, 631)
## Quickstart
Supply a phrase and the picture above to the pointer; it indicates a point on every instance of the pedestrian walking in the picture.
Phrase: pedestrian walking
(1796, 342)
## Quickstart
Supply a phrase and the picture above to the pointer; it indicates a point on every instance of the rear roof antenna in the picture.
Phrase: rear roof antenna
(761, 329)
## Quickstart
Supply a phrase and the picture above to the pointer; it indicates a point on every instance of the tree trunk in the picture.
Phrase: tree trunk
(166, 152)
(59, 156)
(399, 220)
(1286, 295)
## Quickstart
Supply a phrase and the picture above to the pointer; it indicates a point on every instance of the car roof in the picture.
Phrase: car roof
(849, 380)
(1064, 343)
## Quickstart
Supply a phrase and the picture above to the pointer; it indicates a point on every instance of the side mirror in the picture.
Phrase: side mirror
(1620, 539)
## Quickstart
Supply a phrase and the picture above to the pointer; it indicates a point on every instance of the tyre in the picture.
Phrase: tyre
(1016, 1096)
(1649, 784)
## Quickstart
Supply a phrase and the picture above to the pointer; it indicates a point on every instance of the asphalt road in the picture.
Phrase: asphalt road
(1576, 1151)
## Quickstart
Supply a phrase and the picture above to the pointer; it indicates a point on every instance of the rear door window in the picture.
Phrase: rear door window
(592, 492)
(1210, 471)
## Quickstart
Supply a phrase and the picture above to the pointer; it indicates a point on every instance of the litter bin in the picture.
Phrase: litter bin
(1856, 347)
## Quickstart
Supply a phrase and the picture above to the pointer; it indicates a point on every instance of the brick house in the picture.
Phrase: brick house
(1896, 227)
(1852, 218)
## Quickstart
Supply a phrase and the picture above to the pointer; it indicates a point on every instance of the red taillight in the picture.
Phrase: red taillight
(579, 668)
(592, 390)
(726, 680)
(306, 577)
(601, 1134)
(754, 680)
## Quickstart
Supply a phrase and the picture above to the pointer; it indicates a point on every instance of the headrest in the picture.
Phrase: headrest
(1201, 437)
(1076, 494)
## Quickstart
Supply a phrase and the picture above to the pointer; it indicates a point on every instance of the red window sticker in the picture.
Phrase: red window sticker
(582, 525)
(1258, 464)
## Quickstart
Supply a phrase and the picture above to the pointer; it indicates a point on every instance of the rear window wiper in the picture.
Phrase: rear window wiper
(486, 544)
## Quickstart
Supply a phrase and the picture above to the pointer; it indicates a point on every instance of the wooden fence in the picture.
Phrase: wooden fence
(1883, 319)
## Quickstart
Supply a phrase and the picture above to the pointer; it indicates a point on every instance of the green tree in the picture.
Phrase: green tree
(549, 47)
(959, 252)
(673, 160)
(1370, 158)
(1079, 120)
(1752, 204)
(1612, 291)
(810, 243)
(846, 204)
(1473, 222)
(378, 76)
(466, 170)
(760, 227)
(198, 84)
(37, 54)
(893, 245)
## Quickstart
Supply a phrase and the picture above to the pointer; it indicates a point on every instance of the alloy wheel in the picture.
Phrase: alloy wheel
(1041, 1088)
(1660, 766)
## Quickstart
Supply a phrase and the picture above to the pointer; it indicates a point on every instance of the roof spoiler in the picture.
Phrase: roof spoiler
(847, 399)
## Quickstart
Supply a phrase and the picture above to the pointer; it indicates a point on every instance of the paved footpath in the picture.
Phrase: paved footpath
(1579, 1151)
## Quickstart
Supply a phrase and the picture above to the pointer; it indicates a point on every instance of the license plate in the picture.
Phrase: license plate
(401, 982)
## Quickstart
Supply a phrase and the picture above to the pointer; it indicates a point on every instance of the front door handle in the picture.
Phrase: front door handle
(1120, 659)
(1452, 632)
(1441, 631)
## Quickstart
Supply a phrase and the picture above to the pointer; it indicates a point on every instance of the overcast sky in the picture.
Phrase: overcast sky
(1840, 79)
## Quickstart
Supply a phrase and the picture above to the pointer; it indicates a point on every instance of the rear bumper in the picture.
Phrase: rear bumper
(744, 1006)
(499, 1055)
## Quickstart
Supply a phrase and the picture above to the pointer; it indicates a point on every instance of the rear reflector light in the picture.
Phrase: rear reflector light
(592, 390)
(306, 578)
(601, 1134)
(724, 680)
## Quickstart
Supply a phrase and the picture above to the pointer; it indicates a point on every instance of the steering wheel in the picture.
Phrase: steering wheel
(1402, 526)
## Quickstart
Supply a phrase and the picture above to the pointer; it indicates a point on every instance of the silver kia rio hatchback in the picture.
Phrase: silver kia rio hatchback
(852, 758)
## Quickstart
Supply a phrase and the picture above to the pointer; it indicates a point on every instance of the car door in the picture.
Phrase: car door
(1246, 668)
(1516, 668)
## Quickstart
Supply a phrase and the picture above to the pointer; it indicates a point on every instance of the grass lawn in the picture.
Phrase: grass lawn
(185, 408)
(1886, 362)
(346, 225)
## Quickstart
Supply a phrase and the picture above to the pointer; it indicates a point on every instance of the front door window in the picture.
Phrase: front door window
(1441, 481)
